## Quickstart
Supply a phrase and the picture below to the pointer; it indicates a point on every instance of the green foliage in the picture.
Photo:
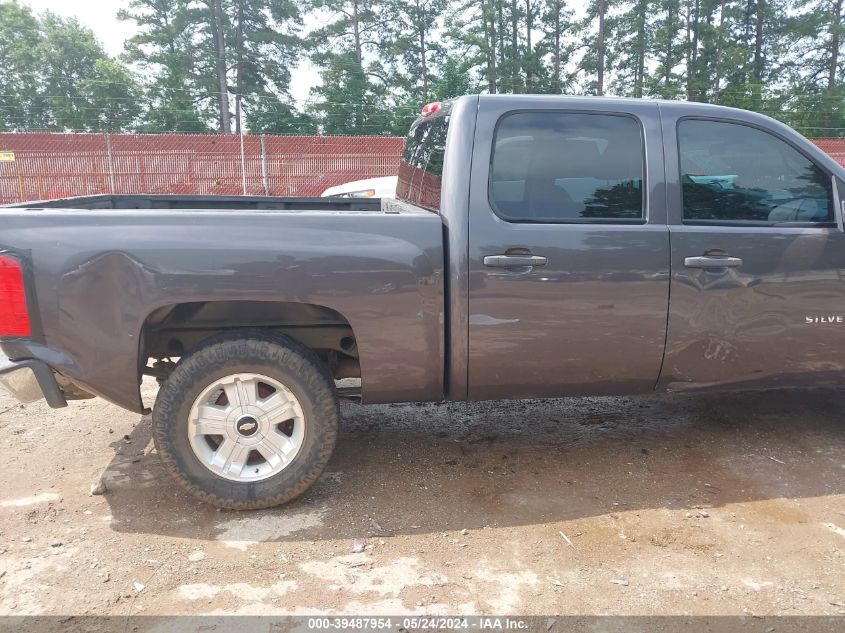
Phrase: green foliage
(54, 75)
(556, 48)
(165, 51)
(349, 101)
(412, 50)
(666, 50)
(20, 96)
(195, 65)
(113, 102)
(453, 81)
(271, 115)
(354, 95)
(470, 28)
(189, 50)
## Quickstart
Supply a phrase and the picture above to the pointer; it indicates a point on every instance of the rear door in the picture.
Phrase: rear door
(568, 248)
(758, 256)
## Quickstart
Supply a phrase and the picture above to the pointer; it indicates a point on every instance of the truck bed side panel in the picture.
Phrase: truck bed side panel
(99, 274)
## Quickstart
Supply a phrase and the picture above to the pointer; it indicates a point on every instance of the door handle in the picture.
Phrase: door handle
(514, 261)
(706, 261)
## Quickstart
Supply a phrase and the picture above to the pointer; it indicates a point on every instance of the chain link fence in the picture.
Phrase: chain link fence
(38, 166)
(834, 147)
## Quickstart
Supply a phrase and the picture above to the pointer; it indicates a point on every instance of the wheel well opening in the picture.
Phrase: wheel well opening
(173, 331)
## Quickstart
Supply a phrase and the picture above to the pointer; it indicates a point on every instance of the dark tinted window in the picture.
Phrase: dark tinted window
(567, 167)
(421, 167)
(736, 173)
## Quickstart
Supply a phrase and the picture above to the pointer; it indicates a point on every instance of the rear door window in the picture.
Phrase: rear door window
(559, 167)
(733, 173)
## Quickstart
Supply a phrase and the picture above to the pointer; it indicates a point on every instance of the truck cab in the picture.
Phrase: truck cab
(612, 246)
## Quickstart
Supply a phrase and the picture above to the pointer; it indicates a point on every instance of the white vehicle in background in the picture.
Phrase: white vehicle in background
(384, 187)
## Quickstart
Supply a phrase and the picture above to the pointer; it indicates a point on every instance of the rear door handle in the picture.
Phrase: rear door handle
(514, 261)
(712, 262)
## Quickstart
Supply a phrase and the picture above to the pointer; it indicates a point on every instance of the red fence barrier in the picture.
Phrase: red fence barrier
(37, 166)
(835, 147)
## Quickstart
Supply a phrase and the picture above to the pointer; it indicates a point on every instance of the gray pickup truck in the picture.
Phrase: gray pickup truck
(538, 246)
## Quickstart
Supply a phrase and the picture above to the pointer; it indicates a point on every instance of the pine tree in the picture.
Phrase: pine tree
(472, 29)
(354, 97)
(164, 50)
(814, 100)
(631, 39)
(554, 51)
(595, 31)
(667, 50)
(265, 44)
(415, 51)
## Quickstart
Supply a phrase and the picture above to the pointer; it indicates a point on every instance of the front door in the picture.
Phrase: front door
(569, 250)
(758, 257)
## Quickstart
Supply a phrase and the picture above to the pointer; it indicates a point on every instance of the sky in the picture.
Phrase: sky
(101, 17)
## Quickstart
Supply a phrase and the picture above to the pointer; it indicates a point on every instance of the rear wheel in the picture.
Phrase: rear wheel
(246, 421)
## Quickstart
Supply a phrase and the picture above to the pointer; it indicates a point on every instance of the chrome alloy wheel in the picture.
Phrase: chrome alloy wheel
(246, 427)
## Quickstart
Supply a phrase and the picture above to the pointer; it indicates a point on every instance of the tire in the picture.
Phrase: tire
(230, 469)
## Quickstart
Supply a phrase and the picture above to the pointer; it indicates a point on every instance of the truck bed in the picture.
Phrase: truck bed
(98, 267)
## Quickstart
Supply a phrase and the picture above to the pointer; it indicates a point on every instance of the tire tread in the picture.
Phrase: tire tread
(217, 352)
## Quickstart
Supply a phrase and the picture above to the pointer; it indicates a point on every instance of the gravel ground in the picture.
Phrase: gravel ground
(704, 504)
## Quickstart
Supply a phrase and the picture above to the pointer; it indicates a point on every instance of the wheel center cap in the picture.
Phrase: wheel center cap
(247, 426)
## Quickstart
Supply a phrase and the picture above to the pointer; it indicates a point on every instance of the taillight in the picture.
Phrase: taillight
(14, 317)
(431, 108)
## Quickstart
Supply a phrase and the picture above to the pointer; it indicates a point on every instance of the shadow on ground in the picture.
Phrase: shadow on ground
(406, 469)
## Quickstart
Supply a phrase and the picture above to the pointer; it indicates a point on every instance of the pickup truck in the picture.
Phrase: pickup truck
(383, 187)
(538, 246)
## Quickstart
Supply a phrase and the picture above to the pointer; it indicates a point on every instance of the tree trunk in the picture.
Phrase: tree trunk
(692, 55)
(717, 90)
(556, 83)
(359, 58)
(708, 40)
(489, 18)
(423, 60)
(670, 38)
(748, 21)
(356, 32)
(220, 67)
(600, 44)
(835, 24)
(758, 41)
(529, 70)
(500, 31)
(515, 79)
(641, 46)
(239, 51)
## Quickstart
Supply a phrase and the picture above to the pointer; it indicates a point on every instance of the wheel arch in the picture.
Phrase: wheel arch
(174, 330)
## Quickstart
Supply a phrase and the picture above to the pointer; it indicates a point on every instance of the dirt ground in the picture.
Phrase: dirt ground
(680, 504)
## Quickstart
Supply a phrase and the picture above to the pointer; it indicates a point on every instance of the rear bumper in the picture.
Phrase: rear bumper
(30, 380)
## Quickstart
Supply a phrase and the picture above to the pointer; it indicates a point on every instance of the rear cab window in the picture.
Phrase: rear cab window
(732, 173)
(421, 167)
(567, 167)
